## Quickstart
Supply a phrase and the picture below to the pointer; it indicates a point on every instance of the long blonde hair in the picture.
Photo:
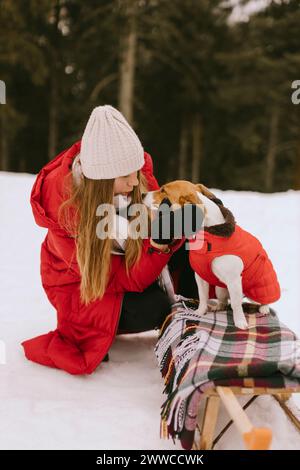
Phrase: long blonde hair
(77, 215)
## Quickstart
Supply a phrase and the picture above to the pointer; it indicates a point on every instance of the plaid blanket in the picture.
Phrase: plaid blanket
(196, 353)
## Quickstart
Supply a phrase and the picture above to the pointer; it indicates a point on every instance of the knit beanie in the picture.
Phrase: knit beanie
(109, 147)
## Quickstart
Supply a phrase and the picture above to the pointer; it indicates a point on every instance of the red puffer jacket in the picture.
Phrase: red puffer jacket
(259, 278)
(84, 334)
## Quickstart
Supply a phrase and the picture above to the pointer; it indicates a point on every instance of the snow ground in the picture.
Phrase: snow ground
(118, 406)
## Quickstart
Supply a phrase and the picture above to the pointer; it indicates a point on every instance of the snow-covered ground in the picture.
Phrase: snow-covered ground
(118, 406)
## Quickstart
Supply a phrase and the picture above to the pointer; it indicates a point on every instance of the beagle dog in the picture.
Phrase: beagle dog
(224, 271)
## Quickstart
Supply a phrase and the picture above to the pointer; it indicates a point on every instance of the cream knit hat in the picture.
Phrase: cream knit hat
(109, 147)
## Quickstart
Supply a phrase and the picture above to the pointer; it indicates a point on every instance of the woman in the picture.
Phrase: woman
(94, 291)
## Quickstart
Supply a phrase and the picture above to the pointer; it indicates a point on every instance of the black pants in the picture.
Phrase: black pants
(143, 311)
(147, 310)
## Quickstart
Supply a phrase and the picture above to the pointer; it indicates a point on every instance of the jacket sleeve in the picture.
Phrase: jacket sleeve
(145, 272)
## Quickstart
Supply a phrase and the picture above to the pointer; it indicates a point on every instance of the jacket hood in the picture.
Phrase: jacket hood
(44, 201)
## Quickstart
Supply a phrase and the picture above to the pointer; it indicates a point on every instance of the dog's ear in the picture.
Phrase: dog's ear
(188, 198)
(205, 191)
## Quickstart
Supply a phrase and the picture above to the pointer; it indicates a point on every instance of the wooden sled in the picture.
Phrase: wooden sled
(254, 438)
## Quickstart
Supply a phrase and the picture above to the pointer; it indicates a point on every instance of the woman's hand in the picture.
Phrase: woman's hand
(164, 248)
(161, 247)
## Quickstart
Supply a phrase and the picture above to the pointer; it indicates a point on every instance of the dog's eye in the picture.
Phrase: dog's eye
(162, 189)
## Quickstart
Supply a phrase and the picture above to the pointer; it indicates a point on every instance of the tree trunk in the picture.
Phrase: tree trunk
(22, 164)
(53, 115)
(128, 61)
(183, 171)
(4, 152)
(271, 152)
(197, 146)
(54, 84)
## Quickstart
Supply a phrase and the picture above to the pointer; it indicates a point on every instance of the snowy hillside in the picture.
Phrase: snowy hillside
(119, 405)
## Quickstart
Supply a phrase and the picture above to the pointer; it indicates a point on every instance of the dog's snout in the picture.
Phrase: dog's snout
(166, 201)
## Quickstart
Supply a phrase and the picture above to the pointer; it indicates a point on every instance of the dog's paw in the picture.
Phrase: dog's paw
(201, 310)
(242, 324)
(264, 309)
(240, 321)
(219, 307)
